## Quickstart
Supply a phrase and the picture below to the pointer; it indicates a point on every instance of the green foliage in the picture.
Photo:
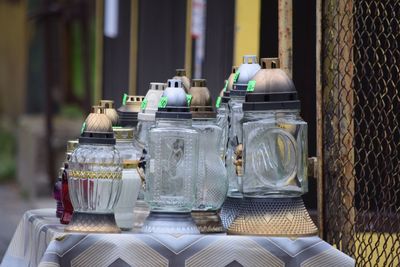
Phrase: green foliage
(71, 111)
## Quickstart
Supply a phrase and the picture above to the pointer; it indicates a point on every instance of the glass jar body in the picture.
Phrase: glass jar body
(223, 122)
(94, 178)
(212, 183)
(131, 183)
(235, 138)
(274, 154)
(171, 166)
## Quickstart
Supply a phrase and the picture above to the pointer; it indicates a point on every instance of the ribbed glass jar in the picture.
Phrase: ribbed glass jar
(172, 166)
(94, 178)
(275, 153)
(212, 183)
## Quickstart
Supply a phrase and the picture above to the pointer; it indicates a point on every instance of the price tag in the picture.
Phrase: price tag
(236, 77)
(189, 99)
(144, 104)
(163, 102)
(226, 85)
(125, 97)
(218, 102)
(250, 86)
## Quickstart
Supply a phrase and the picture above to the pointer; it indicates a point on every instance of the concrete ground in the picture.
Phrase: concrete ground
(12, 207)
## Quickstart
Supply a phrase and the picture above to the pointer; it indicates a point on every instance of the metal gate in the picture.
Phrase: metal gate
(359, 119)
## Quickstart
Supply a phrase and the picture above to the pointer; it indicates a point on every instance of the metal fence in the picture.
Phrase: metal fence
(360, 128)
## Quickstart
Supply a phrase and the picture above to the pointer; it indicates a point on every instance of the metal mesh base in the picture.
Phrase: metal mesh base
(230, 210)
(93, 223)
(273, 217)
(169, 223)
(208, 222)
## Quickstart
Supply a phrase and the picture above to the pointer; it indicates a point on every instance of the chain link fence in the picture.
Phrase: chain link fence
(361, 128)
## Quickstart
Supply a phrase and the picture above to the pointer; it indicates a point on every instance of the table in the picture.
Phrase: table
(40, 241)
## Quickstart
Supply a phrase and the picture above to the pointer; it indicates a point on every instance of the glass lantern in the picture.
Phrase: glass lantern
(130, 152)
(94, 176)
(212, 183)
(171, 165)
(273, 158)
(223, 121)
(68, 209)
(242, 75)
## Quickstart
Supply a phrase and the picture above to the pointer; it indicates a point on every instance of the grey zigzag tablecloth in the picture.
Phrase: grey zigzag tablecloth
(40, 241)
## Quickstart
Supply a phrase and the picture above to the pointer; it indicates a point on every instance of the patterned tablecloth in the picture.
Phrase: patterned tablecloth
(40, 241)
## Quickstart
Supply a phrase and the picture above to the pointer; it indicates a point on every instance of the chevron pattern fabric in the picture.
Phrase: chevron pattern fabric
(40, 241)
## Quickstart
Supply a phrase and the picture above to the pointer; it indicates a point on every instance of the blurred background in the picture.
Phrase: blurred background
(59, 57)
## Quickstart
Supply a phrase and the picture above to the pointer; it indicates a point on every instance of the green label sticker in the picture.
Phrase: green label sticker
(250, 86)
(236, 77)
(189, 99)
(124, 98)
(226, 85)
(144, 104)
(218, 102)
(83, 127)
(163, 102)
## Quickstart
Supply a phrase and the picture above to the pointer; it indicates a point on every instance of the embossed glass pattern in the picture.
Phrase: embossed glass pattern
(212, 183)
(94, 178)
(172, 166)
(235, 138)
(275, 154)
(223, 122)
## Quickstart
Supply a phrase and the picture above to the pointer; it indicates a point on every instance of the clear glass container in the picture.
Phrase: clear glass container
(94, 178)
(172, 166)
(212, 183)
(223, 122)
(130, 151)
(235, 138)
(275, 153)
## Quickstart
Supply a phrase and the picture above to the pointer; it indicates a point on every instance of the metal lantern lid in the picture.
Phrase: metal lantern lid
(150, 103)
(201, 105)
(244, 74)
(123, 134)
(97, 128)
(174, 102)
(128, 112)
(181, 75)
(110, 111)
(271, 89)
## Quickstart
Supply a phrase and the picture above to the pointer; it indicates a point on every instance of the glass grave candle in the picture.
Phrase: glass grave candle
(130, 151)
(68, 209)
(171, 165)
(212, 183)
(242, 75)
(146, 120)
(94, 176)
(128, 112)
(274, 159)
(109, 110)
(57, 189)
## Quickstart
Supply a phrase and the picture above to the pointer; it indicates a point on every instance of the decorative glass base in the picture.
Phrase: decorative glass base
(169, 223)
(285, 217)
(229, 210)
(208, 222)
(92, 223)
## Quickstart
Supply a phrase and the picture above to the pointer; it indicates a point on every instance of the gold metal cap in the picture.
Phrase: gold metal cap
(123, 134)
(72, 145)
(110, 112)
(97, 121)
(181, 75)
(200, 93)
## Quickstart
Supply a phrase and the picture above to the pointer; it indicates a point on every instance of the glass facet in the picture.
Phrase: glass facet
(275, 154)
(171, 166)
(212, 183)
(94, 178)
